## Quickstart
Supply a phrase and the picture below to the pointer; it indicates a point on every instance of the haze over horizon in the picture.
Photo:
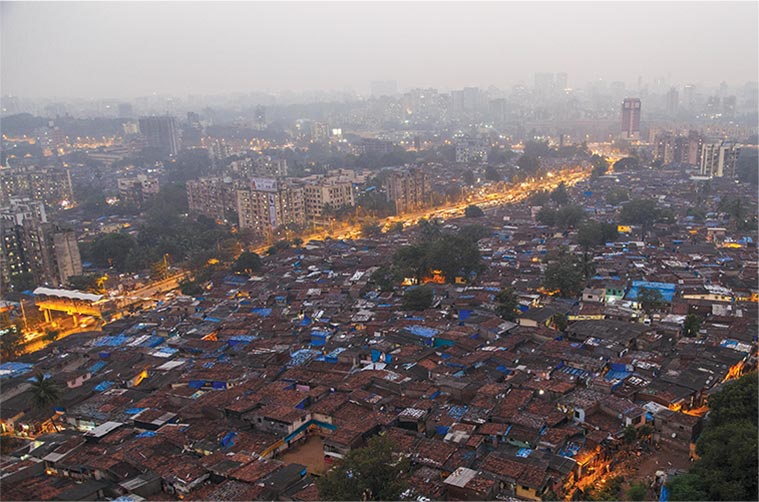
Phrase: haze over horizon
(124, 50)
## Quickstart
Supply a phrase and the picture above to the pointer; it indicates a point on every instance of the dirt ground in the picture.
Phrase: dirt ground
(310, 454)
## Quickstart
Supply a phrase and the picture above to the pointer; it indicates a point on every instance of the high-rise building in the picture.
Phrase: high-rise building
(384, 88)
(327, 192)
(51, 184)
(161, 132)
(212, 197)
(137, 190)
(470, 149)
(672, 101)
(631, 118)
(33, 251)
(408, 189)
(260, 117)
(267, 203)
(719, 159)
(561, 81)
(67, 259)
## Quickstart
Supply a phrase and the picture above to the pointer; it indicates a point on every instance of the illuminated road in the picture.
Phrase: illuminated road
(511, 194)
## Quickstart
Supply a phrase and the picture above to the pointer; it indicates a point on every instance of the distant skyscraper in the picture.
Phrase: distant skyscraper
(544, 84)
(125, 110)
(673, 101)
(161, 132)
(384, 88)
(631, 118)
(260, 116)
(689, 96)
(561, 81)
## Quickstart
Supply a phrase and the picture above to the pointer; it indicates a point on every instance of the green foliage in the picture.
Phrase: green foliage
(564, 274)
(454, 256)
(44, 392)
(726, 469)
(473, 233)
(278, 247)
(539, 198)
(190, 288)
(371, 229)
(11, 344)
(417, 298)
(563, 218)
(370, 473)
(617, 195)
(643, 212)
(747, 168)
(473, 211)
(627, 164)
(595, 233)
(559, 321)
(384, 278)
(492, 173)
(528, 164)
(636, 492)
(692, 325)
(559, 194)
(468, 177)
(610, 490)
(430, 229)
(51, 335)
(111, 250)
(248, 263)
(650, 300)
(91, 283)
(600, 165)
(189, 164)
(630, 434)
(396, 228)
(507, 304)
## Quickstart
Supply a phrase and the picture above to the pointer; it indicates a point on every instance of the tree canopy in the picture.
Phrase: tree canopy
(565, 274)
(248, 263)
(370, 473)
(507, 304)
(727, 448)
(418, 298)
(473, 211)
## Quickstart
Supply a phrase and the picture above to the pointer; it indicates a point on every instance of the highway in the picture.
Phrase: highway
(511, 194)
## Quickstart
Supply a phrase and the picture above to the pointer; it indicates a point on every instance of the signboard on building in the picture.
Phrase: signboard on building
(263, 184)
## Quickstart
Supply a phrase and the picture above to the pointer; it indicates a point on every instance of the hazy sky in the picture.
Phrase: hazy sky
(98, 49)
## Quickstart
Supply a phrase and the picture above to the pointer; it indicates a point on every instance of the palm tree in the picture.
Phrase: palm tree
(44, 391)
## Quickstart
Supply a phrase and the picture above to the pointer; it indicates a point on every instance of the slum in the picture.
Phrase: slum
(258, 386)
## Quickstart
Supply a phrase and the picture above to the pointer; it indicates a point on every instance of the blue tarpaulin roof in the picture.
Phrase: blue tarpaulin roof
(666, 289)
(261, 312)
(421, 331)
(13, 369)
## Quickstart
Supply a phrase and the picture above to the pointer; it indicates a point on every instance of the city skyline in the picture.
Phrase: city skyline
(124, 50)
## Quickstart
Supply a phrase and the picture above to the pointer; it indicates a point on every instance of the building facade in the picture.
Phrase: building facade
(407, 189)
(161, 132)
(52, 185)
(719, 159)
(265, 204)
(631, 118)
(327, 194)
(212, 197)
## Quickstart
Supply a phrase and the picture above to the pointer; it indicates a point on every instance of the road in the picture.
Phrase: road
(512, 193)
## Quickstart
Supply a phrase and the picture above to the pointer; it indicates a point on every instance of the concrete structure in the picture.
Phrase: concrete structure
(138, 189)
(51, 184)
(407, 189)
(327, 193)
(472, 149)
(212, 197)
(631, 118)
(267, 203)
(719, 159)
(161, 132)
(67, 259)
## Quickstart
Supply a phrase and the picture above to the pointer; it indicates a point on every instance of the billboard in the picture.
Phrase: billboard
(263, 184)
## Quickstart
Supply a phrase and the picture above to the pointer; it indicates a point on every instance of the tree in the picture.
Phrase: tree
(370, 473)
(396, 227)
(617, 195)
(636, 492)
(650, 299)
(539, 198)
(468, 177)
(569, 216)
(727, 448)
(528, 164)
(594, 233)
(92, 283)
(643, 212)
(190, 288)
(11, 343)
(247, 263)
(454, 256)
(111, 250)
(600, 165)
(44, 392)
(417, 298)
(565, 275)
(371, 229)
(473, 233)
(559, 321)
(559, 194)
(430, 229)
(546, 216)
(492, 173)
(691, 326)
(51, 335)
(508, 303)
(473, 211)
(627, 164)
(384, 278)
(630, 434)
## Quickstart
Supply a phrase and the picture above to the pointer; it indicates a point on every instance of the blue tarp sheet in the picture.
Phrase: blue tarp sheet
(13, 369)
(421, 331)
(261, 312)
